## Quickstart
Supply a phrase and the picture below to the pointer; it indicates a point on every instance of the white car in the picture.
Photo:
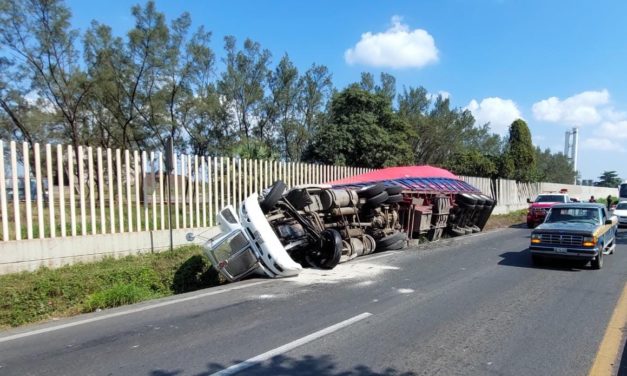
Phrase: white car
(621, 212)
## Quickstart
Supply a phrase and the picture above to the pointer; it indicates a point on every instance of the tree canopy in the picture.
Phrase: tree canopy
(161, 78)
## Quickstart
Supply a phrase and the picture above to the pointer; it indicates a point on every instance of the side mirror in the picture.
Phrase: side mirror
(528, 200)
(612, 220)
(190, 237)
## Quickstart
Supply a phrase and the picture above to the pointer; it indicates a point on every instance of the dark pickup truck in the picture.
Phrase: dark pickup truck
(582, 231)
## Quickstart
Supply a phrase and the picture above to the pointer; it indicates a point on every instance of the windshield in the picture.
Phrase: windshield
(550, 198)
(623, 190)
(589, 215)
(622, 206)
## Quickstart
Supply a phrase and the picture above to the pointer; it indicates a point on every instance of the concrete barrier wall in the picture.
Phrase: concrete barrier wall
(29, 255)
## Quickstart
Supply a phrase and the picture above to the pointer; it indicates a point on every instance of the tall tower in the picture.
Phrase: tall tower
(571, 145)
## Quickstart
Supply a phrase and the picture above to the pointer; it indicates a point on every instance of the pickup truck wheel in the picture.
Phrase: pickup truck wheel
(273, 196)
(328, 253)
(597, 262)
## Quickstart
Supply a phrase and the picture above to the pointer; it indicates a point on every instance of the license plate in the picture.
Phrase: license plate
(561, 250)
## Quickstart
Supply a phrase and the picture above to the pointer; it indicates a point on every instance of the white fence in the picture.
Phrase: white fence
(91, 191)
(86, 203)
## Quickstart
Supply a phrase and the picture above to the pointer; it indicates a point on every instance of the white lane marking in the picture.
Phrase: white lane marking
(289, 346)
(405, 291)
(123, 313)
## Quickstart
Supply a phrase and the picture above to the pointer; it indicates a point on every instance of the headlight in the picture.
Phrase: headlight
(536, 238)
(589, 241)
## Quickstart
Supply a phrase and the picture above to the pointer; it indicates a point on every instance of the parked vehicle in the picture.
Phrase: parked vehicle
(622, 192)
(581, 231)
(540, 206)
(620, 211)
(22, 189)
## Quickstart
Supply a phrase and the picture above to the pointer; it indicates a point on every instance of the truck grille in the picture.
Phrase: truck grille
(562, 239)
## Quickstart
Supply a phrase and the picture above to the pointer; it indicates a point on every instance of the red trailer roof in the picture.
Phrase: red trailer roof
(392, 173)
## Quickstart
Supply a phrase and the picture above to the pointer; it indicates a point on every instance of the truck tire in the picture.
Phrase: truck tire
(273, 196)
(390, 239)
(393, 199)
(394, 190)
(597, 262)
(371, 191)
(377, 200)
(328, 253)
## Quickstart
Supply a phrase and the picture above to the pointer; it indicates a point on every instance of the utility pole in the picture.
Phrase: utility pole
(571, 147)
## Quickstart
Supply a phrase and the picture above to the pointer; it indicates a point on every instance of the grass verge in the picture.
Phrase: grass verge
(49, 293)
(518, 217)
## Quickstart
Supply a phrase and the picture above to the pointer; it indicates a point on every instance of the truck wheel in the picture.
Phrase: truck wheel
(394, 190)
(328, 253)
(393, 199)
(597, 262)
(387, 241)
(273, 196)
(377, 200)
(371, 190)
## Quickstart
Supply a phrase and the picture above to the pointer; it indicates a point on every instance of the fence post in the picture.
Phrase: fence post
(27, 193)
(3, 197)
(61, 190)
(16, 190)
(50, 178)
(111, 193)
(92, 196)
(39, 192)
(118, 165)
(161, 191)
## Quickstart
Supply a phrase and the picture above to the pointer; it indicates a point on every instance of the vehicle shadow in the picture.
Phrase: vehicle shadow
(308, 365)
(621, 236)
(522, 259)
(622, 366)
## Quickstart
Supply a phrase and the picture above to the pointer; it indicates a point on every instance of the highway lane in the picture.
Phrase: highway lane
(475, 306)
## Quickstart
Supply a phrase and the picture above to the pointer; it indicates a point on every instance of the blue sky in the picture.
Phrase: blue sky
(557, 64)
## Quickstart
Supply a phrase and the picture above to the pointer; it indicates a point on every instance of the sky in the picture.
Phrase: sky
(556, 64)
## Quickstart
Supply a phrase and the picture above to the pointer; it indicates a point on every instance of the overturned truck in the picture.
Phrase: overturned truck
(282, 230)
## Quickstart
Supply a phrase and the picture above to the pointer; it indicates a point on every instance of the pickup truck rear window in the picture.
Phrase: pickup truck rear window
(551, 198)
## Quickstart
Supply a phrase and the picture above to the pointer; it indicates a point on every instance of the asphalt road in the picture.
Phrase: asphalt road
(473, 307)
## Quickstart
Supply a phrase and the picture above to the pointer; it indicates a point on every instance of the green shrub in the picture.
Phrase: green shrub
(117, 295)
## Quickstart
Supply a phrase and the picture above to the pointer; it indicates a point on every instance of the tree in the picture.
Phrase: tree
(363, 130)
(472, 163)
(242, 87)
(40, 49)
(519, 157)
(554, 168)
(609, 179)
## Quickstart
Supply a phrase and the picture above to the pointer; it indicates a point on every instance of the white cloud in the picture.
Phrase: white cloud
(397, 47)
(499, 112)
(602, 144)
(615, 130)
(588, 107)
